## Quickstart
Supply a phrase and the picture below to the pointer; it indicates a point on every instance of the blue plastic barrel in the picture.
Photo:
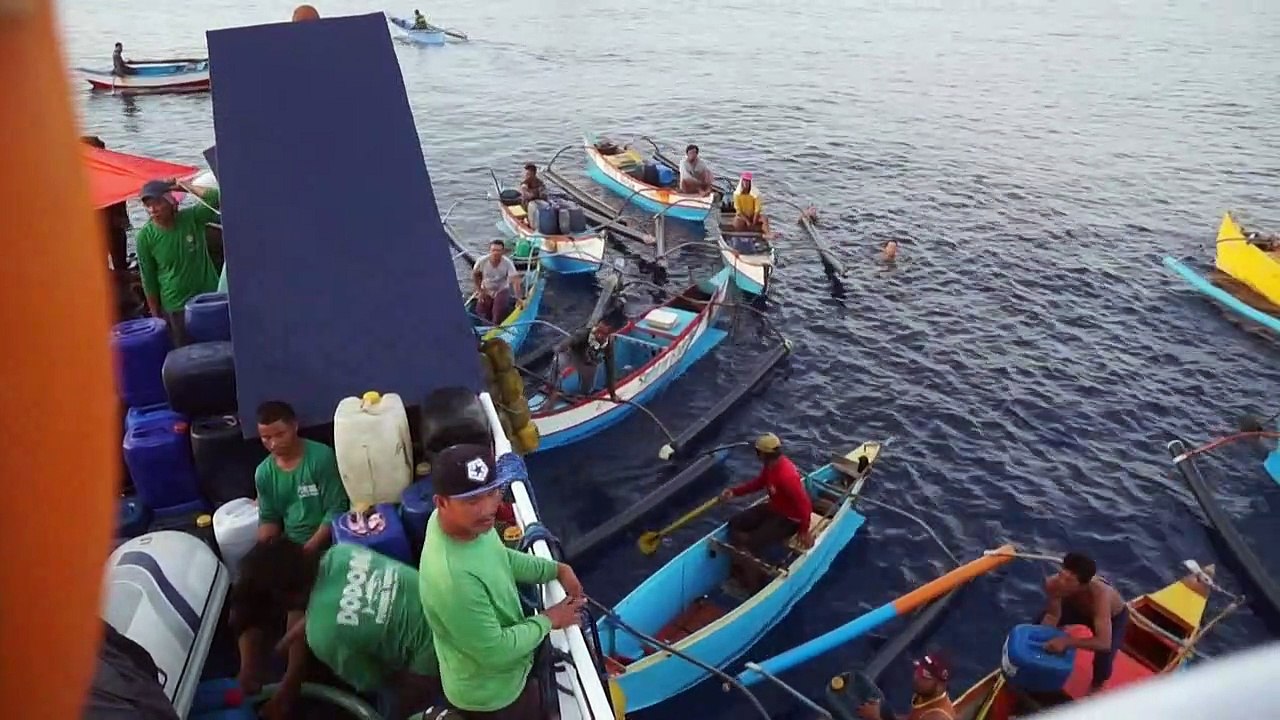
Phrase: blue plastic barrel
(208, 317)
(159, 460)
(666, 176)
(390, 541)
(139, 348)
(548, 220)
(416, 505)
(157, 413)
(132, 517)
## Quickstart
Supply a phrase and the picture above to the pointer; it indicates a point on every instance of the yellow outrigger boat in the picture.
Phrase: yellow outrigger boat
(1162, 631)
(1252, 261)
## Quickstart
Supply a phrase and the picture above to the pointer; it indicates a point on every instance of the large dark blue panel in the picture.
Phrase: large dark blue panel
(340, 275)
(211, 157)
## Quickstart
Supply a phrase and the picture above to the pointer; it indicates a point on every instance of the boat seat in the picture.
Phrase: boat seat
(854, 470)
(517, 211)
(817, 523)
(625, 159)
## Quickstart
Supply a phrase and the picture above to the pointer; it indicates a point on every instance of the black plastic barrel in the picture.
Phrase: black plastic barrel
(452, 416)
(510, 197)
(200, 379)
(225, 460)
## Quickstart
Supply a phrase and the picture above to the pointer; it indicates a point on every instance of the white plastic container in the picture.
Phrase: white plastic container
(235, 527)
(375, 453)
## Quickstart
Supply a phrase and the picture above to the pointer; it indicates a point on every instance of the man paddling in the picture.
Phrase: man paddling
(930, 702)
(420, 21)
(118, 64)
(765, 524)
(1077, 596)
(363, 619)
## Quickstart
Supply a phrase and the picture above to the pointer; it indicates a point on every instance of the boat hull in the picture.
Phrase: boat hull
(177, 77)
(696, 572)
(565, 426)
(752, 269)
(694, 208)
(561, 254)
(433, 36)
(1255, 267)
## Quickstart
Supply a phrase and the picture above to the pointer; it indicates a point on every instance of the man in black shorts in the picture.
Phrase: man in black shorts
(786, 513)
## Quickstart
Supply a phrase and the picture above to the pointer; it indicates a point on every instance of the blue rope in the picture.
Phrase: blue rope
(535, 532)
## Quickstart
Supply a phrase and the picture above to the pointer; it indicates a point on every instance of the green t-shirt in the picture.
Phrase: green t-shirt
(302, 498)
(174, 262)
(365, 618)
(483, 639)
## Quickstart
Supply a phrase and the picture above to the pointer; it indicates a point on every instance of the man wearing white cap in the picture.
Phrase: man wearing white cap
(747, 207)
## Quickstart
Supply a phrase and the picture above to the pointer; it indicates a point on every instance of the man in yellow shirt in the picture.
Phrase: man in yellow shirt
(748, 209)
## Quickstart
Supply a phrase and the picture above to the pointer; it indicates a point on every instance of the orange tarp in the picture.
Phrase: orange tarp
(115, 177)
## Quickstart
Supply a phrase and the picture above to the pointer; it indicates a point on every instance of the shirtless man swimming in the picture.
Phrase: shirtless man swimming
(1078, 597)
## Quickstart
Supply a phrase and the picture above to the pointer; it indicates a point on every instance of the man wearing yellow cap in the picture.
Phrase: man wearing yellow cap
(764, 524)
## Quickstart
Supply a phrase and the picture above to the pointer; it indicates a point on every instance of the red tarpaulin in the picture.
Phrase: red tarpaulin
(115, 177)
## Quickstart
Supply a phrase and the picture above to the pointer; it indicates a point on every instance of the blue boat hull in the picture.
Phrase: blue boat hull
(515, 330)
(564, 265)
(697, 572)
(695, 215)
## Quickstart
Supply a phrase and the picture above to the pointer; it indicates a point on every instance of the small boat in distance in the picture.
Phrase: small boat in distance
(153, 76)
(649, 353)
(1246, 278)
(432, 35)
(566, 253)
(748, 252)
(683, 603)
(652, 185)
(1161, 629)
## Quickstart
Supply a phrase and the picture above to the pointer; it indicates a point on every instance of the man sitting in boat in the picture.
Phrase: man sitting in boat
(363, 619)
(695, 176)
(747, 207)
(173, 255)
(497, 282)
(930, 702)
(531, 186)
(299, 492)
(485, 643)
(420, 21)
(762, 525)
(1077, 596)
(118, 65)
(583, 351)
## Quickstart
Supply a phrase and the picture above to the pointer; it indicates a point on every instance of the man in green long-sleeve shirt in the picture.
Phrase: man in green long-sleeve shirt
(173, 256)
(467, 577)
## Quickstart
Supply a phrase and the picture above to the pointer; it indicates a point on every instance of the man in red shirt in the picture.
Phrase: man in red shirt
(764, 524)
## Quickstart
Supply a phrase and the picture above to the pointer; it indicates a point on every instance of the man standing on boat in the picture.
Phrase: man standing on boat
(695, 176)
(497, 282)
(173, 256)
(118, 64)
(930, 701)
(531, 186)
(363, 619)
(762, 525)
(299, 492)
(485, 643)
(1077, 596)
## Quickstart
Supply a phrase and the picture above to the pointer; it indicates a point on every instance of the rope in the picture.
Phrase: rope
(918, 521)
(1226, 440)
(728, 679)
(535, 532)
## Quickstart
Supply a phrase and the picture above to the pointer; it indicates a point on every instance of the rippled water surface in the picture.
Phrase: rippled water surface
(1028, 352)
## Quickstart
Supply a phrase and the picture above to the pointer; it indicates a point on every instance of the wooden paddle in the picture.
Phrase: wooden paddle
(456, 34)
(648, 542)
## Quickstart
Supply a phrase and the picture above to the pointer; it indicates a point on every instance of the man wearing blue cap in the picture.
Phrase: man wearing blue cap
(173, 256)
(485, 643)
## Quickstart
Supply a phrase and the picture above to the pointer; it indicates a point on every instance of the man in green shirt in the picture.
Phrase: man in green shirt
(363, 619)
(173, 257)
(299, 493)
(468, 578)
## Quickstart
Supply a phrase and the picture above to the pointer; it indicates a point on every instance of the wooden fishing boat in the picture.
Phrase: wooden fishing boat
(158, 76)
(1162, 627)
(649, 353)
(748, 253)
(652, 185)
(515, 327)
(1247, 277)
(567, 254)
(432, 35)
(684, 605)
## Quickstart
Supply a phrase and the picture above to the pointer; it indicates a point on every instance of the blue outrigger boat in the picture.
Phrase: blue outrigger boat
(514, 329)
(682, 604)
(652, 185)
(649, 353)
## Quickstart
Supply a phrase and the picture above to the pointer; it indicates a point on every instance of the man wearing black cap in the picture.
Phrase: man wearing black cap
(173, 257)
(930, 702)
(467, 577)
